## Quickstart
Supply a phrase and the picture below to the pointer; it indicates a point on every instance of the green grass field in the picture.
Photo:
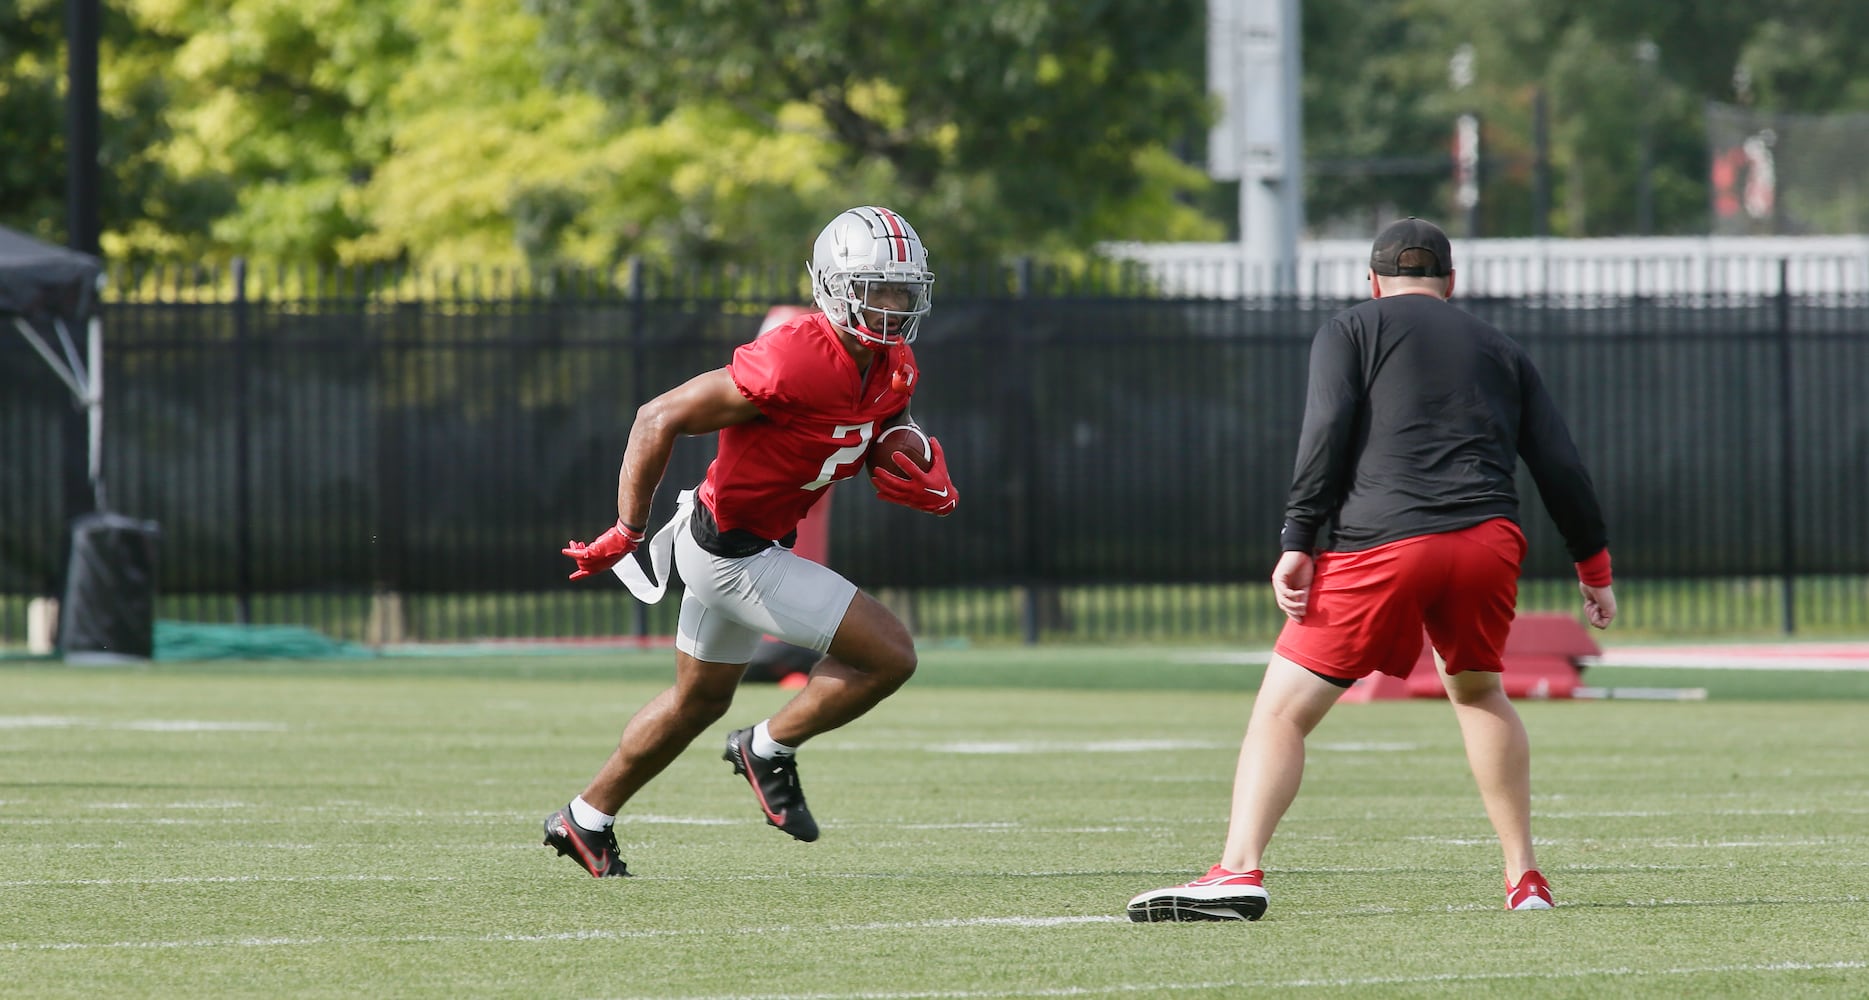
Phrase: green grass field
(371, 828)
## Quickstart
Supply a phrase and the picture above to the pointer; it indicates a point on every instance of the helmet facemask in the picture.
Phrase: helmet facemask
(876, 308)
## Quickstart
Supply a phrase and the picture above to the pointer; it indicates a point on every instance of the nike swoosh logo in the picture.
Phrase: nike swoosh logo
(939, 493)
(778, 818)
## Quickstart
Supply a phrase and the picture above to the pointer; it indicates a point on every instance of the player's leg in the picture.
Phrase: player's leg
(1468, 627)
(1499, 752)
(1291, 702)
(1363, 616)
(653, 738)
(870, 657)
(778, 593)
(869, 651)
(663, 728)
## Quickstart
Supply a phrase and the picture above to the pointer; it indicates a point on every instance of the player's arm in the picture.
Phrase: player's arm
(1564, 485)
(701, 405)
(1333, 396)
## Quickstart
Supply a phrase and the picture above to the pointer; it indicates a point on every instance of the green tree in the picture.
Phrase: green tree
(32, 195)
(1808, 57)
(134, 187)
(549, 133)
(996, 125)
(1376, 143)
(1377, 88)
(274, 114)
(492, 165)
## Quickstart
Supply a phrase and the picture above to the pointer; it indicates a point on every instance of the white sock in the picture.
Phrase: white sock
(765, 746)
(586, 815)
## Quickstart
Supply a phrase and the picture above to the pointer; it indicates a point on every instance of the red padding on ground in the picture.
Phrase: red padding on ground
(1541, 661)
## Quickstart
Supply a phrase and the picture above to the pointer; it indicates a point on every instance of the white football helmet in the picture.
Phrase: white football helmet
(868, 271)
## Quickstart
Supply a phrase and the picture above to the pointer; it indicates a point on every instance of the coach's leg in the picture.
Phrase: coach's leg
(871, 655)
(1290, 703)
(660, 730)
(1499, 752)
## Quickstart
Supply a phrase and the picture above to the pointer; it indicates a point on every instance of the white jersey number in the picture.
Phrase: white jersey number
(850, 455)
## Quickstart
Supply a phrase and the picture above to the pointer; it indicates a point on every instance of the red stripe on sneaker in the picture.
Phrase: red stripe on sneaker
(746, 760)
(1221, 876)
(571, 834)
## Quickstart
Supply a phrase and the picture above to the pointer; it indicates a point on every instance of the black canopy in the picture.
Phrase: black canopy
(40, 280)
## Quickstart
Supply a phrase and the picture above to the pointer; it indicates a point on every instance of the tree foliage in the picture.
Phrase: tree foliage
(553, 133)
(132, 96)
(1613, 76)
(276, 112)
(30, 113)
(996, 125)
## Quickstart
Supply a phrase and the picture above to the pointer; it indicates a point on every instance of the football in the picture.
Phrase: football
(906, 440)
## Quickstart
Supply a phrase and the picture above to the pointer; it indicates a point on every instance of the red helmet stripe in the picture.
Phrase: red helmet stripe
(899, 243)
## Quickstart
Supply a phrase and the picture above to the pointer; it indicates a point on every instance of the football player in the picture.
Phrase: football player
(795, 409)
(1403, 516)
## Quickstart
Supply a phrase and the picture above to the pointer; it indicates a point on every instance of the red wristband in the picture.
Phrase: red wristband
(1594, 571)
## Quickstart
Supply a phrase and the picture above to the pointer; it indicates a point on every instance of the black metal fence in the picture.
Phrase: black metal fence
(384, 458)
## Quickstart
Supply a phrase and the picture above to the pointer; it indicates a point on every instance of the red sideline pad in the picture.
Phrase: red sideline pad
(1541, 662)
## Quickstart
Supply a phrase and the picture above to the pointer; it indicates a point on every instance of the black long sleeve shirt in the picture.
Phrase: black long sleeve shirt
(1415, 417)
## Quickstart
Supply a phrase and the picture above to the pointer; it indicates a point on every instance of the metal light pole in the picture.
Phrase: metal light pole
(1541, 165)
(1254, 66)
(1466, 143)
(1647, 54)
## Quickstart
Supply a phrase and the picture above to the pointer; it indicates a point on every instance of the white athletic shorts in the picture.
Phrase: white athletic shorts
(728, 605)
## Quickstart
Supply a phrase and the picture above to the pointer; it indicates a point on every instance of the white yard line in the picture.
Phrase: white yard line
(1775, 658)
(1823, 656)
(1007, 747)
(1163, 988)
(138, 725)
(222, 879)
(1033, 922)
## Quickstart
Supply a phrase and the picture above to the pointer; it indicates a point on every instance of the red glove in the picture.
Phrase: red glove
(608, 550)
(931, 492)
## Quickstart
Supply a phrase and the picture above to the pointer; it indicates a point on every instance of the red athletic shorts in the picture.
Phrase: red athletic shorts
(1368, 608)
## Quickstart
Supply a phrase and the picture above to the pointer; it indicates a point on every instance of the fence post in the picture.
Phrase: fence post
(638, 320)
(1029, 612)
(243, 472)
(1787, 481)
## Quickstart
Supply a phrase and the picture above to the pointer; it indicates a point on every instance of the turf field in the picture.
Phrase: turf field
(371, 828)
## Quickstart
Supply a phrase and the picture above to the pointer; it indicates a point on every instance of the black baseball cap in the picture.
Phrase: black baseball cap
(1411, 234)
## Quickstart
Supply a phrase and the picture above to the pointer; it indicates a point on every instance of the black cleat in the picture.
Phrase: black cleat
(597, 852)
(775, 785)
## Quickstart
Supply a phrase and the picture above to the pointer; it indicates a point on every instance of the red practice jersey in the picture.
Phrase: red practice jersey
(818, 414)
